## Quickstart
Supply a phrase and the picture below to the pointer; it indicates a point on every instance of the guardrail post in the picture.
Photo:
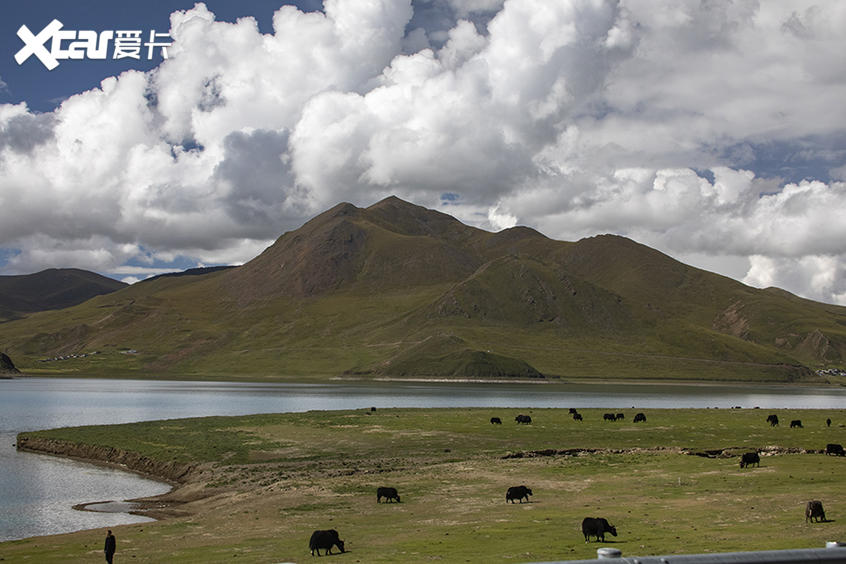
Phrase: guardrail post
(606, 552)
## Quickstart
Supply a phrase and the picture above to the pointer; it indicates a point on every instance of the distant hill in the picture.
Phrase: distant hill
(398, 290)
(55, 288)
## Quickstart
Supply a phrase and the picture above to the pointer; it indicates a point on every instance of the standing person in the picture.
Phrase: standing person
(110, 547)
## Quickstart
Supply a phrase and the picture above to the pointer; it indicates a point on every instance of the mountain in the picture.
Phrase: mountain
(391, 244)
(55, 288)
(398, 290)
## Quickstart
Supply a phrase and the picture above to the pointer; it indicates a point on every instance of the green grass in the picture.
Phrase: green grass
(272, 479)
(363, 435)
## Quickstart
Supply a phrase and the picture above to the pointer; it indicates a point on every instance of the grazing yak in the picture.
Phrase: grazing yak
(609, 417)
(619, 417)
(750, 458)
(814, 511)
(835, 449)
(828, 422)
(523, 419)
(640, 417)
(573, 410)
(597, 527)
(577, 417)
(772, 419)
(325, 540)
(517, 492)
(387, 493)
(796, 423)
(496, 420)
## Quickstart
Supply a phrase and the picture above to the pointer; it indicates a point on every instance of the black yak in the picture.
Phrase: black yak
(835, 449)
(814, 511)
(325, 540)
(597, 527)
(517, 492)
(387, 493)
(750, 458)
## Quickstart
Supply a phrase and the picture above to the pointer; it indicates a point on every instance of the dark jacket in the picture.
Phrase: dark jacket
(111, 545)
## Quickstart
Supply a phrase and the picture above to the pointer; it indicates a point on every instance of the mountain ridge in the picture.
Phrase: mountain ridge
(355, 287)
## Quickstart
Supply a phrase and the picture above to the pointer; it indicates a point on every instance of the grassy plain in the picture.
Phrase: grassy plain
(264, 482)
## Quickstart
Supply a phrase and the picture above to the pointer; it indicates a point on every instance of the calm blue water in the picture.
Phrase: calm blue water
(37, 492)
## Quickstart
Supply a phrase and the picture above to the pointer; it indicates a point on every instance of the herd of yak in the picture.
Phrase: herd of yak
(591, 526)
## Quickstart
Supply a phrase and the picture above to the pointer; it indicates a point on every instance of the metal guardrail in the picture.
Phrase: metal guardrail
(833, 552)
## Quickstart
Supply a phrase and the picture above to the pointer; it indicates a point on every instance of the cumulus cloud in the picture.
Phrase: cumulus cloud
(499, 220)
(792, 236)
(22, 131)
(712, 131)
(822, 275)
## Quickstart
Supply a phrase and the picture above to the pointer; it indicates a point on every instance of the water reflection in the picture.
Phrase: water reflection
(37, 494)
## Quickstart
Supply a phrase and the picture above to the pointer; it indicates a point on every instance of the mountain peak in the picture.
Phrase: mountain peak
(395, 214)
(391, 200)
(394, 204)
(343, 209)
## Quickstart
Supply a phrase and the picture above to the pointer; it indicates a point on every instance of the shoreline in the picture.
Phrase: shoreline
(165, 472)
(180, 477)
(547, 380)
(551, 379)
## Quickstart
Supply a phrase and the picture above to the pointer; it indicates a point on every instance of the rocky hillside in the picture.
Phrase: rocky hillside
(7, 367)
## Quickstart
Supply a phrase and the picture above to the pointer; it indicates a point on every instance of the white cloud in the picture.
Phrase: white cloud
(793, 237)
(668, 123)
(821, 276)
(499, 220)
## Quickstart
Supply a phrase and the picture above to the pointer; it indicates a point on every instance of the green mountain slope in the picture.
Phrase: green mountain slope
(55, 288)
(397, 290)
(444, 356)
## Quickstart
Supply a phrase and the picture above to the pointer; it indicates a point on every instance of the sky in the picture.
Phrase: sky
(711, 130)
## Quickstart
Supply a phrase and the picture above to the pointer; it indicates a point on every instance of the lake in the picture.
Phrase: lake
(37, 492)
